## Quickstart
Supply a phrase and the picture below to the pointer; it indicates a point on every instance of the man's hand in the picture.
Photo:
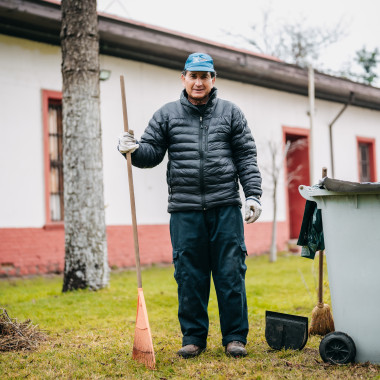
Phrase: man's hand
(252, 209)
(127, 143)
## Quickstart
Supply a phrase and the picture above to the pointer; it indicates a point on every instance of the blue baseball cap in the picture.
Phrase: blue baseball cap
(199, 62)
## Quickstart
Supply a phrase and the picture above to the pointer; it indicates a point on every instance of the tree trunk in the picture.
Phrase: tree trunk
(86, 264)
(273, 246)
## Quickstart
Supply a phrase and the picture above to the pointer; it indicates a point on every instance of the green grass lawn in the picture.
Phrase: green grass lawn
(91, 333)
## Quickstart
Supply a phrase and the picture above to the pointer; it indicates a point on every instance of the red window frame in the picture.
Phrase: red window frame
(48, 95)
(371, 142)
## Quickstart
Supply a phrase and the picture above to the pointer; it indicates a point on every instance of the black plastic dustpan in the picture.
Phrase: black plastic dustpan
(285, 330)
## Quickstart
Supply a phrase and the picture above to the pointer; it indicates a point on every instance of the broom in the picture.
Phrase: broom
(142, 346)
(321, 319)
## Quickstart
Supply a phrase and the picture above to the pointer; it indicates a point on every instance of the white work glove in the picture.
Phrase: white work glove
(127, 143)
(252, 209)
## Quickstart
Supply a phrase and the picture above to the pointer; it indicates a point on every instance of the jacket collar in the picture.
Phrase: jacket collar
(209, 105)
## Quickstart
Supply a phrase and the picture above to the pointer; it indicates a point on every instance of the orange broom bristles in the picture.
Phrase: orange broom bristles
(143, 346)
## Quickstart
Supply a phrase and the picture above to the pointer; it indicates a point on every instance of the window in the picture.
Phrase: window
(366, 159)
(53, 134)
(56, 160)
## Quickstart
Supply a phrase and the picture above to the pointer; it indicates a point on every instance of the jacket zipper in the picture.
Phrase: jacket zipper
(206, 138)
(201, 152)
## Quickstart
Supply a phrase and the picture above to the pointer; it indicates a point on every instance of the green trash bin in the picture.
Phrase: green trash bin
(351, 227)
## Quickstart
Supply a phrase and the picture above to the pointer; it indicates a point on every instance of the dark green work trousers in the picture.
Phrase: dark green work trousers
(204, 243)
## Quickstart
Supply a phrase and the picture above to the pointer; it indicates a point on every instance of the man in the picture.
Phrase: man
(210, 148)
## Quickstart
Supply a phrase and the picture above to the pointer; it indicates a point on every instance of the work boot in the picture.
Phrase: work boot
(190, 351)
(236, 349)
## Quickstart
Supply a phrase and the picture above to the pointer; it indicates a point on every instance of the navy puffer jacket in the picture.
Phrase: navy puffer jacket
(207, 153)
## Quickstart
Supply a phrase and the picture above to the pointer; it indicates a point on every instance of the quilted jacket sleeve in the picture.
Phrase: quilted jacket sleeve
(245, 154)
(153, 143)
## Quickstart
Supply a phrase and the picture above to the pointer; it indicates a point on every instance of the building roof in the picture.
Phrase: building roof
(39, 20)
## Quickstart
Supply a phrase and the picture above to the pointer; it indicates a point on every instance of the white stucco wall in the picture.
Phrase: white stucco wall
(28, 67)
(354, 122)
(147, 88)
(25, 68)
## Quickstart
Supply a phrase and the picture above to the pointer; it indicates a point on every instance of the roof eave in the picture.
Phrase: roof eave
(40, 20)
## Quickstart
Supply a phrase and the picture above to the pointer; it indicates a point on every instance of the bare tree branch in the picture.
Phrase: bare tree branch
(293, 42)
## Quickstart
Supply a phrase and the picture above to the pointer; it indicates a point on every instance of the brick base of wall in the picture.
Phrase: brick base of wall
(28, 251)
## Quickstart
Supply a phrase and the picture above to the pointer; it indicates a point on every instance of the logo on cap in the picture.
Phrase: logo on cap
(199, 62)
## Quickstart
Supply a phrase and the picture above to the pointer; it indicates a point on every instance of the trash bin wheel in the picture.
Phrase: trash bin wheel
(337, 348)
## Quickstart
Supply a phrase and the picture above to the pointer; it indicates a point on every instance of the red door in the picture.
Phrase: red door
(297, 165)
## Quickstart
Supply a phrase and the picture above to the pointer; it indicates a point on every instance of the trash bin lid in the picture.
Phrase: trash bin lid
(350, 187)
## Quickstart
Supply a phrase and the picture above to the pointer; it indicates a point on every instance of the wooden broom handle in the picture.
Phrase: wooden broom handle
(130, 181)
(320, 285)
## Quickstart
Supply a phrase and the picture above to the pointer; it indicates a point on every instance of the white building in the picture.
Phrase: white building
(273, 95)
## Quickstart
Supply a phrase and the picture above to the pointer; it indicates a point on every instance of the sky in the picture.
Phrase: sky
(222, 20)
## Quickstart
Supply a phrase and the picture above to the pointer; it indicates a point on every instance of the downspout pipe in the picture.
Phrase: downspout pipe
(350, 100)
(311, 92)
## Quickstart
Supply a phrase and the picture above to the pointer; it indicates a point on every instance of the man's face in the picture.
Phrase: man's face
(198, 85)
